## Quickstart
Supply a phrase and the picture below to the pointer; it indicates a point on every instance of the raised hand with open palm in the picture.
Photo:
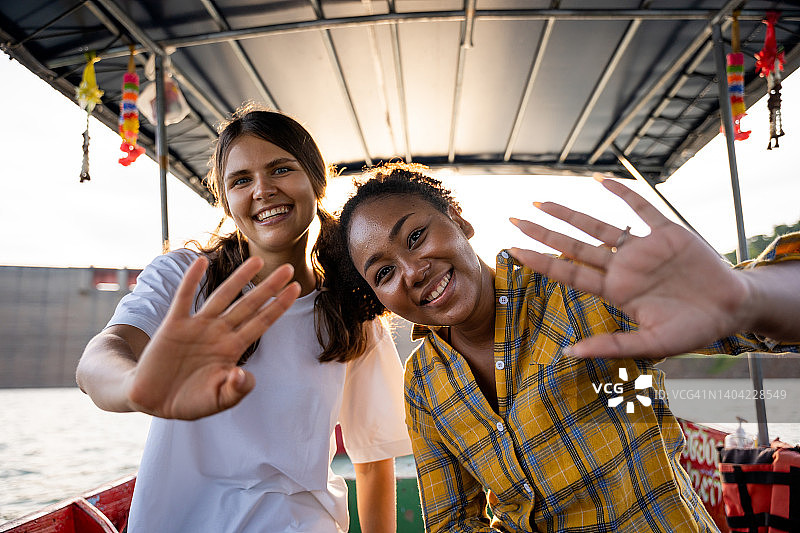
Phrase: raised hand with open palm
(675, 286)
(188, 369)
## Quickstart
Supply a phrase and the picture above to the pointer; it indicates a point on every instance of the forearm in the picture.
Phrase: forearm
(104, 371)
(773, 306)
(375, 494)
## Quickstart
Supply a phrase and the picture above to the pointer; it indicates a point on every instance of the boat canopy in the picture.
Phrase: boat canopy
(479, 86)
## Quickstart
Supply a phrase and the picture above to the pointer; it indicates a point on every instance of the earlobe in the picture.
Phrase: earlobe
(465, 226)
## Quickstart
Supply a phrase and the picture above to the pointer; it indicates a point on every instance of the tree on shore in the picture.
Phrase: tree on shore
(758, 243)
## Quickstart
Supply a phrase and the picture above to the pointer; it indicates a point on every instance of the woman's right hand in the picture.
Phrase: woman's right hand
(188, 369)
(674, 285)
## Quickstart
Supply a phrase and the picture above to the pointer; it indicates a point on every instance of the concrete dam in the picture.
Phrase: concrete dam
(47, 315)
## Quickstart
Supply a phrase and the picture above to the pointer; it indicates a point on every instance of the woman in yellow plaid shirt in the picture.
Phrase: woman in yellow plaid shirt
(502, 402)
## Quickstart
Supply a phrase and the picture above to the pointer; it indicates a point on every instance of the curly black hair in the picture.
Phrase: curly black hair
(388, 179)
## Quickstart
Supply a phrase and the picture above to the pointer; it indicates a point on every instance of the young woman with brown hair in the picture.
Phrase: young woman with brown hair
(263, 383)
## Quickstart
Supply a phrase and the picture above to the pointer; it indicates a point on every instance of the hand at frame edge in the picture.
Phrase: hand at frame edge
(675, 286)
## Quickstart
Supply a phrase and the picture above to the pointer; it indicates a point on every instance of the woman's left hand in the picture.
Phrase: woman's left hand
(681, 293)
(189, 370)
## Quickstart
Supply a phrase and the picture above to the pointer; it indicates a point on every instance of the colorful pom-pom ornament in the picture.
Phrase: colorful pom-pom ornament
(735, 72)
(129, 114)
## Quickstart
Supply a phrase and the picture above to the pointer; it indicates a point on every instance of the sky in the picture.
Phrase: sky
(49, 218)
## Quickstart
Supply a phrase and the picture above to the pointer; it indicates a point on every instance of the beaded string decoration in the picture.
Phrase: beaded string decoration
(129, 114)
(88, 95)
(735, 72)
(769, 63)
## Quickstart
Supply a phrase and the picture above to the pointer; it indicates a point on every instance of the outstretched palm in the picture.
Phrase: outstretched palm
(671, 282)
(188, 369)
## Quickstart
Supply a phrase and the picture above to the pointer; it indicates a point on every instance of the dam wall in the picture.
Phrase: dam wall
(47, 315)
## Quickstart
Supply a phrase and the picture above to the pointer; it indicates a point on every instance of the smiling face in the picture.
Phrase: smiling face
(418, 260)
(268, 195)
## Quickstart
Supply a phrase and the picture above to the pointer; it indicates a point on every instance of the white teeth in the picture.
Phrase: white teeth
(272, 212)
(439, 288)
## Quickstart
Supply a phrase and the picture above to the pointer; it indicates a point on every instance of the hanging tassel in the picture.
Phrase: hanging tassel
(769, 63)
(129, 113)
(88, 95)
(85, 165)
(735, 72)
(774, 107)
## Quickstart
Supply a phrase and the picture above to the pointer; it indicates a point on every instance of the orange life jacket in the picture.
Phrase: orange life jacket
(761, 488)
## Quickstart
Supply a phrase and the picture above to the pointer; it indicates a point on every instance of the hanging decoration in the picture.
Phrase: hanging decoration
(735, 71)
(129, 113)
(769, 63)
(88, 95)
(175, 106)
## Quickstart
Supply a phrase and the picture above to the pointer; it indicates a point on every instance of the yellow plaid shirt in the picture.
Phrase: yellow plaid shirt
(556, 457)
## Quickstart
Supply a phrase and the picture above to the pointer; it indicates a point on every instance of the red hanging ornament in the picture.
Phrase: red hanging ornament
(769, 64)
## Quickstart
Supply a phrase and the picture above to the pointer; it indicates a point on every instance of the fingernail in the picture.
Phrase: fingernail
(569, 351)
(513, 220)
(239, 378)
(598, 177)
(537, 205)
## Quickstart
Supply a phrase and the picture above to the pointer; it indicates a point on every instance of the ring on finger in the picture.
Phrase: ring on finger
(621, 239)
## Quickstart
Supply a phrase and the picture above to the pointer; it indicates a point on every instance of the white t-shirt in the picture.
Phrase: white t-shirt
(264, 465)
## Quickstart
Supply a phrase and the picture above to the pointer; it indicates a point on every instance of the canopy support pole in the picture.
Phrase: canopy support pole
(753, 359)
(161, 149)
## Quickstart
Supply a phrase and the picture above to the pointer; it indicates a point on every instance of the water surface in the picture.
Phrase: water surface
(56, 444)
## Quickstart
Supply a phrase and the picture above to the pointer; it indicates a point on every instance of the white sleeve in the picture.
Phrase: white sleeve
(146, 307)
(373, 408)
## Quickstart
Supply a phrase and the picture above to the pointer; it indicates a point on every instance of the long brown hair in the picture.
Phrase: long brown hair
(339, 327)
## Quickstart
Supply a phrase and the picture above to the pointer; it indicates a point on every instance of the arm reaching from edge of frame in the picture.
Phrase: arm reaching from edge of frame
(188, 369)
(671, 282)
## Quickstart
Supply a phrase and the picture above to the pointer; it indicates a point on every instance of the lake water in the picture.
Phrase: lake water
(55, 444)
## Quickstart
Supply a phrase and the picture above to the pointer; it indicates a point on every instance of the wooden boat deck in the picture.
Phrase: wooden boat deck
(102, 510)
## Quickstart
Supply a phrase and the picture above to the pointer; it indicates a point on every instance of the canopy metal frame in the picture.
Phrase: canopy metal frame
(207, 110)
